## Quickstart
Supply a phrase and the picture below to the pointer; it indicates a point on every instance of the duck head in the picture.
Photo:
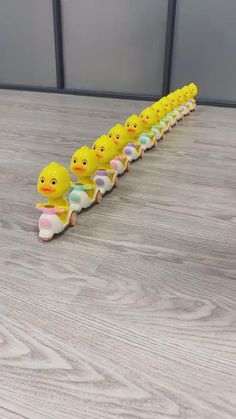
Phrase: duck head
(148, 118)
(118, 135)
(173, 99)
(53, 181)
(84, 162)
(159, 109)
(193, 89)
(133, 126)
(180, 96)
(167, 105)
(187, 92)
(104, 149)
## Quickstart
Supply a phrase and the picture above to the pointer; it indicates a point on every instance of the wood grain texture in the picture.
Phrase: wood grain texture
(131, 314)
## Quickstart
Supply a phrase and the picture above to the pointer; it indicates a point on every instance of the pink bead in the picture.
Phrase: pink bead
(113, 164)
(45, 223)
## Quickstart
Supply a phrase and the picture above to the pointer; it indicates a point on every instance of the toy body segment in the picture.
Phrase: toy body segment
(105, 177)
(84, 164)
(121, 162)
(134, 148)
(53, 183)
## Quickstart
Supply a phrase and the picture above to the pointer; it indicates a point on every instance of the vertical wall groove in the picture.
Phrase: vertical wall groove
(170, 30)
(57, 22)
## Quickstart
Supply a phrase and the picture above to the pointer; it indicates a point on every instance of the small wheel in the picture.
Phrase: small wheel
(141, 154)
(73, 219)
(128, 166)
(155, 143)
(116, 182)
(98, 197)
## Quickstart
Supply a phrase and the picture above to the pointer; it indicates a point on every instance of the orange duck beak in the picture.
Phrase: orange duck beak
(79, 169)
(47, 189)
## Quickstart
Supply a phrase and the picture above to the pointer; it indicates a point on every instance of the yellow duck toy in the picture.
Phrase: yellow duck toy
(186, 95)
(84, 164)
(193, 92)
(162, 121)
(150, 135)
(177, 110)
(134, 128)
(169, 110)
(53, 183)
(105, 150)
(181, 97)
(119, 136)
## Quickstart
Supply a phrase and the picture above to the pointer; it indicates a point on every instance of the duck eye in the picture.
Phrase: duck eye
(110, 136)
(84, 162)
(101, 149)
(94, 147)
(53, 181)
(127, 125)
(117, 137)
(147, 117)
(135, 126)
(74, 160)
(42, 180)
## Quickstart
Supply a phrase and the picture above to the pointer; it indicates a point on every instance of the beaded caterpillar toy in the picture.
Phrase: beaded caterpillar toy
(97, 168)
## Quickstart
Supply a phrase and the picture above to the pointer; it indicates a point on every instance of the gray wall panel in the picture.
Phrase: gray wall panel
(114, 45)
(27, 42)
(205, 47)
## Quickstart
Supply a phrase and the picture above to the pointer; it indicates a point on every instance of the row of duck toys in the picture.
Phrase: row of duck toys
(97, 168)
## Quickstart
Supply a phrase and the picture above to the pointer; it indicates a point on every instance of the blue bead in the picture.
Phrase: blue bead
(75, 196)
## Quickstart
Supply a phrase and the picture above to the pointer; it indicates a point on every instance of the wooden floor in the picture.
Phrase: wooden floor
(132, 313)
